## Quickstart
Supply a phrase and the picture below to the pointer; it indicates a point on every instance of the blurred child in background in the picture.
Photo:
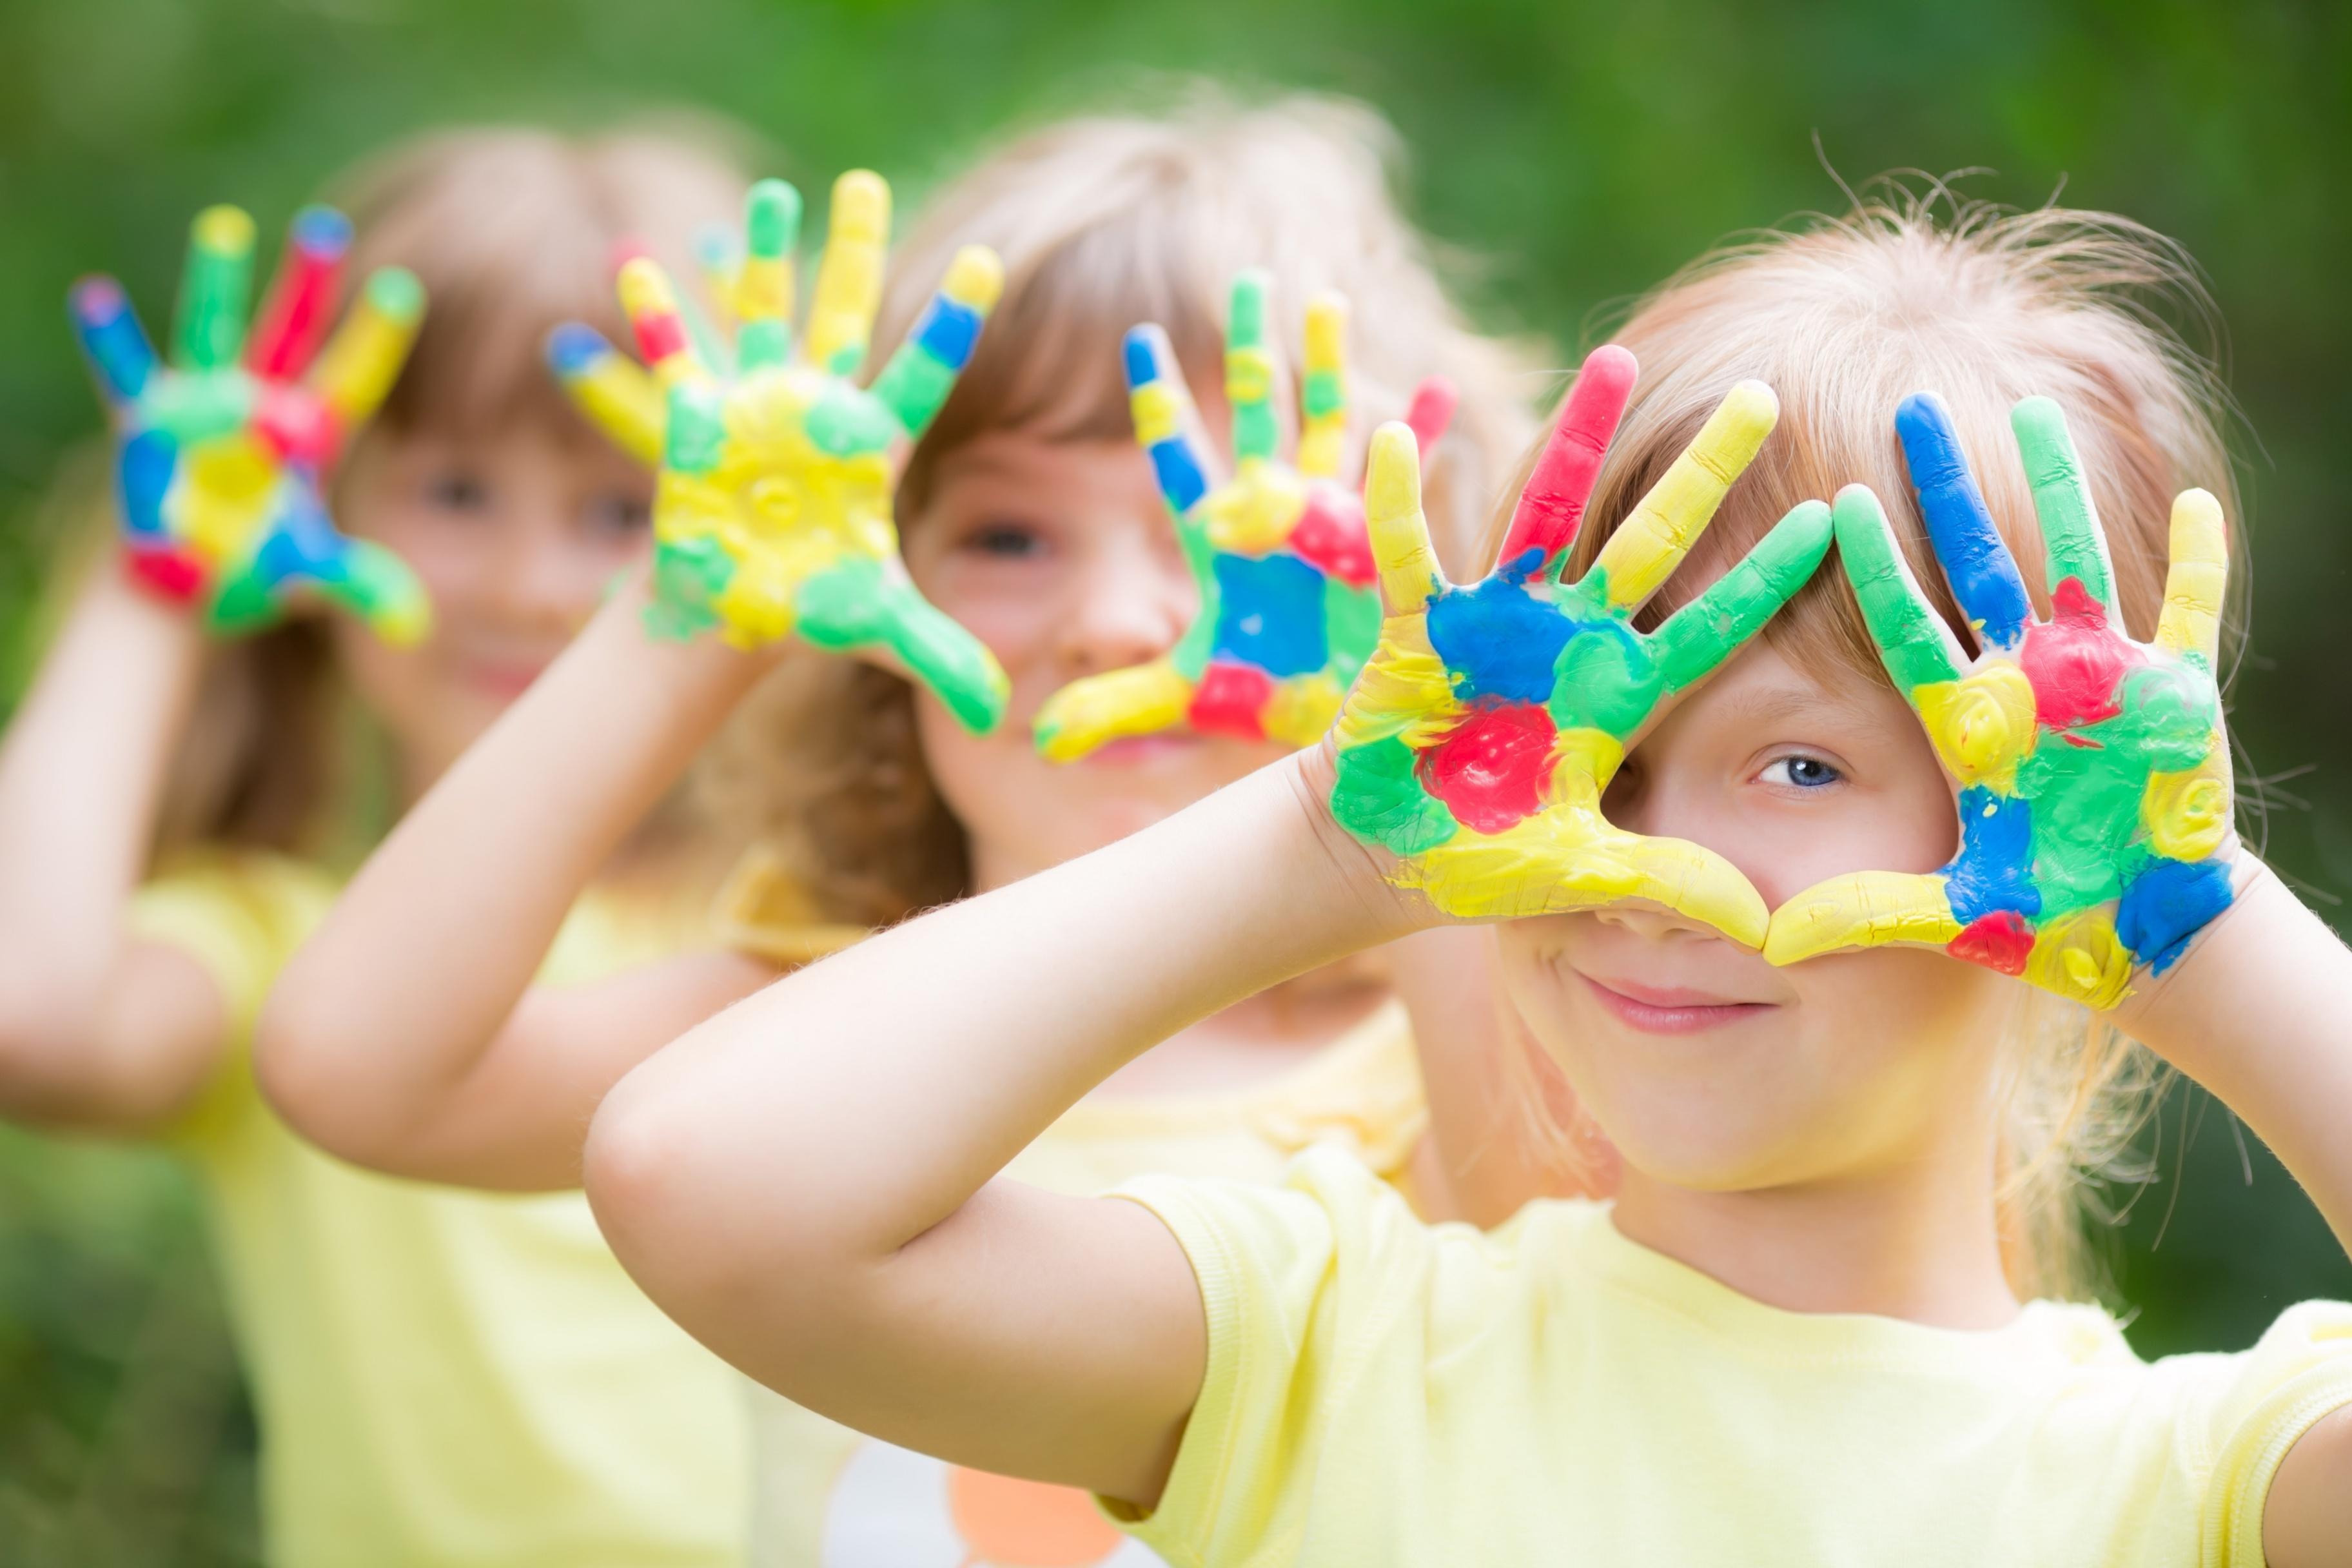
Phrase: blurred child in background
(441, 1377)
(408, 1035)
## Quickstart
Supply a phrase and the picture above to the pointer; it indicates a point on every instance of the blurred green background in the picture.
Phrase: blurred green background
(1582, 151)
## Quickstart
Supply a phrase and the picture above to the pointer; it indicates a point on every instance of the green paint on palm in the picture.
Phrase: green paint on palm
(1606, 678)
(1377, 797)
(196, 408)
(688, 576)
(846, 422)
(763, 345)
(1352, 627)
(696, 429)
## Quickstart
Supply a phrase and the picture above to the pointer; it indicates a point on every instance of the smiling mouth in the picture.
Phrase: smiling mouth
(1656, 1011)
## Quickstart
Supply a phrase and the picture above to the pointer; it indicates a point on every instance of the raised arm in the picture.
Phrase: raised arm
(221, 448)
(406, 1034)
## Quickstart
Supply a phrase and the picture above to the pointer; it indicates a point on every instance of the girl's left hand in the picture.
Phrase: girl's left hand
(2093, 771)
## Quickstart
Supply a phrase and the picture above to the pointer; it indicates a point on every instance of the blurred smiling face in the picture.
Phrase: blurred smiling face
(517, 538)
(1061, 556)
(1708, 1068)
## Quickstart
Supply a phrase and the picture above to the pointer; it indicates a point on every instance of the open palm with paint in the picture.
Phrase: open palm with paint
(774, 510)
(1288, 610)
(222, 451)
(2094, 771)
(1477, 741)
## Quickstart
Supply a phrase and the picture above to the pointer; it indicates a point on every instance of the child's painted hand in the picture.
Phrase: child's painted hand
(1288, 607)
(222, 451)
(1477, 741)
(2093, 771)
(773, 512)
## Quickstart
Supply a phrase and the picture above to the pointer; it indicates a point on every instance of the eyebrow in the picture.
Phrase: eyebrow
(1785, 703)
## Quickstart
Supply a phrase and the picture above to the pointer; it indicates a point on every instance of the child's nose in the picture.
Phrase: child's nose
(1130, 606)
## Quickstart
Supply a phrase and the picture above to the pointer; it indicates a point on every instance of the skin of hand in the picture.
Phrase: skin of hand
(222, 450)
(773, 513)
(1477, 744)
(1288, 611)
(2094, 799)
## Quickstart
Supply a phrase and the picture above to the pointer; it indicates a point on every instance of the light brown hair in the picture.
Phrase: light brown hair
(511, 230)
(1846, 317)
(1103, 223)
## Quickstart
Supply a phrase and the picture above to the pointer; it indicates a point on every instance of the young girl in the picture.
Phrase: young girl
(1794, 1337)
(440, 1377)
(405, 1037)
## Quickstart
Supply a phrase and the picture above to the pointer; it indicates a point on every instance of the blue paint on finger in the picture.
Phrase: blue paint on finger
(1983, 574)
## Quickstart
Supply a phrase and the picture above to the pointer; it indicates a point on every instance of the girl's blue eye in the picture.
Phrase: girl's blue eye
(1803, 772)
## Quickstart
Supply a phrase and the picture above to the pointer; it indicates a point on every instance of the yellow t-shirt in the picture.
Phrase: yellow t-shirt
(1380, 1391)
(443, 1376)
(828, 1498)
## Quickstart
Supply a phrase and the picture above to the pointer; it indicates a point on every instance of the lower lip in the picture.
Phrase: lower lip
(1679, 1018)
(1136, 750)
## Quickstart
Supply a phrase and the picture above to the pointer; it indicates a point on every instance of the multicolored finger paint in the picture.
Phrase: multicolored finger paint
(2093, 771)
(774, 510)
(223, 451)
(1477, 741)
(1288, 609)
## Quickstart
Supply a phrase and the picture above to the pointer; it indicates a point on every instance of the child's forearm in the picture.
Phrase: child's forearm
(2260, 1012)
(757, 1170)
(82, 775)
(385, 1039)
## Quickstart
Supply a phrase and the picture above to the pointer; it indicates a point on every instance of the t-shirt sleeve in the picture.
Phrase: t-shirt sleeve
(2253, 1407)
(240, 922)
(1297, 1282)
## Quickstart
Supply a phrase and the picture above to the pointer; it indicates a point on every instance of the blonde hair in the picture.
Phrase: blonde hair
(1846, 317)
(511, 230)
(1105, 222)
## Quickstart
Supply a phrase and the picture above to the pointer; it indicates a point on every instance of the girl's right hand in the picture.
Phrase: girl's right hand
(1476, 743)
(224, 450)
(773, 514)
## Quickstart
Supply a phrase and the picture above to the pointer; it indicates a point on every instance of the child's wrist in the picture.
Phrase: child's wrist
(2169, 1013)
(1358, 871)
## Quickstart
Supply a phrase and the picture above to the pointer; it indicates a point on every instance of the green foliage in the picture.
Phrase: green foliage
(1580, 149)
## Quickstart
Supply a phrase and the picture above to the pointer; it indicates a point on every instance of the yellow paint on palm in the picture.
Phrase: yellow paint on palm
(1644, 552)
(1141, 701)
(1864, 909)
(224, 502)
(1583, 762)
(1301, 709)
(1983, 725)
(2188, 813)
(1402, 691)
(2079, 957)
(1254, 514)
(2191, 621)
(849, 275)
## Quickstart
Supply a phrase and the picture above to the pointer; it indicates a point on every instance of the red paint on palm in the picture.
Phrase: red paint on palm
(295, 425)
(1491, 769)
(2000, 941)
(1331, 536)
(2074, 659)
(1230, 700)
